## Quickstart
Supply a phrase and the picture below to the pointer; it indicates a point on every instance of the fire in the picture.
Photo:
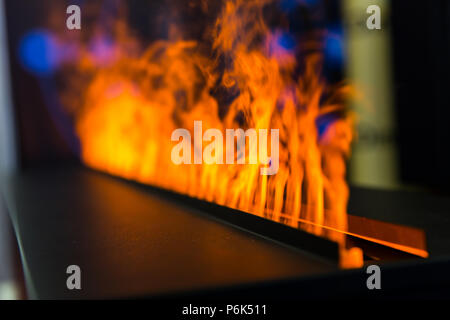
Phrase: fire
(131, 106)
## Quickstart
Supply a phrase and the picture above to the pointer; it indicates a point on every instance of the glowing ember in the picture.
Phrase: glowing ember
(134, 102)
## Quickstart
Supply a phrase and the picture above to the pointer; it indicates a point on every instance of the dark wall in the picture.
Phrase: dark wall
(421, 43)
(40, 141)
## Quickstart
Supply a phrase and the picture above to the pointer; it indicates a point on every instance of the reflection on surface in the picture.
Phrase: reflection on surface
(9, 289)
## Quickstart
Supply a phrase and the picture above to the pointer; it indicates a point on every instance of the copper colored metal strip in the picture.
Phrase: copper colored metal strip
(407, 239)
(398, 237)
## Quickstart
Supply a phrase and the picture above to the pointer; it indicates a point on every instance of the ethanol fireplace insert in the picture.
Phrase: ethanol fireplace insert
(199, 149)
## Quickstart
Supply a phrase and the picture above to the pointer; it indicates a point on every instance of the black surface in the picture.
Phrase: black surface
(421, 67)
(131, 243)
(293, 237)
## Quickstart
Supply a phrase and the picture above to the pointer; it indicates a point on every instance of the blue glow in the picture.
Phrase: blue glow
(335, 48)
(287, 41)
(289, 5)
(324, 122)
(38, 51)
(103, 50)
(281, 46)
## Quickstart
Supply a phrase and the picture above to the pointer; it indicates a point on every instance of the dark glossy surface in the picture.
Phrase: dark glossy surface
(131, 243)
(428, 212)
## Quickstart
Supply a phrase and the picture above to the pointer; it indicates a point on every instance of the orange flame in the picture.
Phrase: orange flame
(132, 106)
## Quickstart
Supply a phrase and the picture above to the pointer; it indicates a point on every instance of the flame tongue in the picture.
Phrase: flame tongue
(132, 107)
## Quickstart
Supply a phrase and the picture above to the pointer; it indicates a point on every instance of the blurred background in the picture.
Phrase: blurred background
(401, 73)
